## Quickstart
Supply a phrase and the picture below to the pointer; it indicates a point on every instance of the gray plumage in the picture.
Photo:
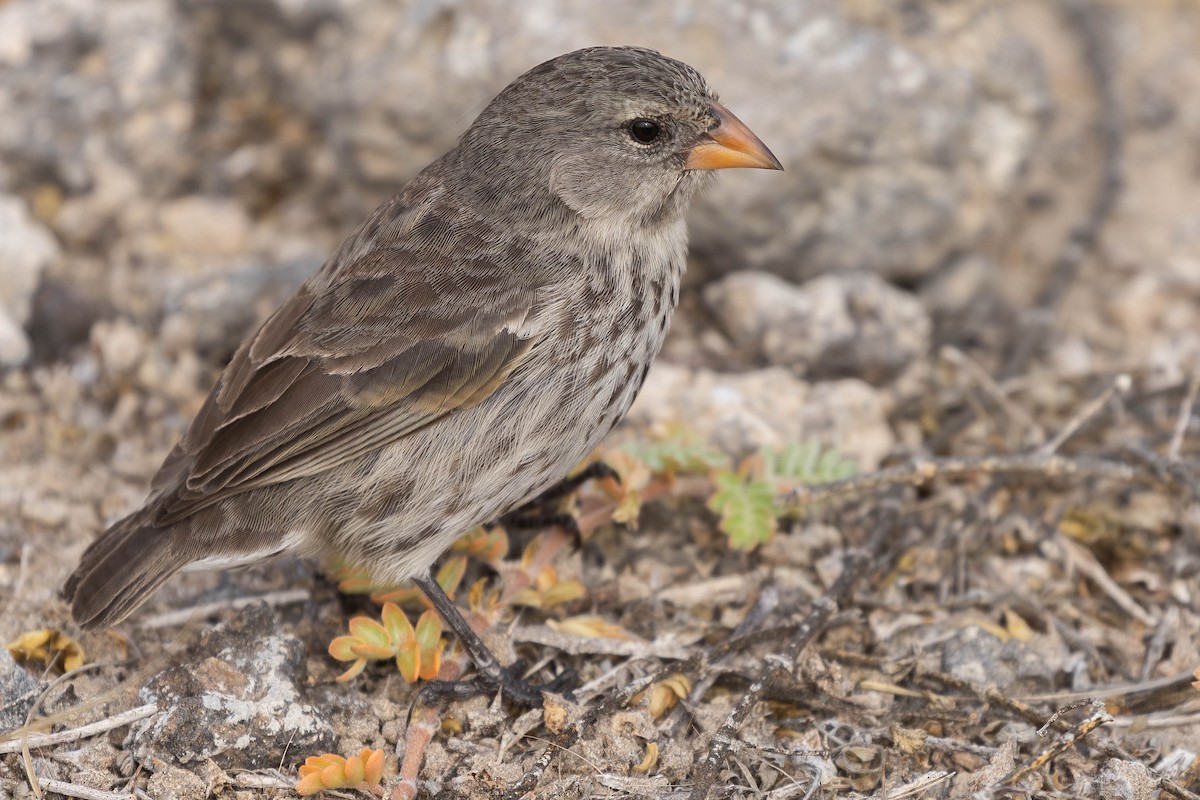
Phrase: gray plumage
(473, 340)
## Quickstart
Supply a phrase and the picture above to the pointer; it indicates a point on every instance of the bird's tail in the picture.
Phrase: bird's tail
(120, 570)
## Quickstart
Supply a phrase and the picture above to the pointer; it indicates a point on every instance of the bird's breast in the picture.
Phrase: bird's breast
(613, 327)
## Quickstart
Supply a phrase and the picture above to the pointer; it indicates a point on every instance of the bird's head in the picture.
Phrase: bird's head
(619, 134)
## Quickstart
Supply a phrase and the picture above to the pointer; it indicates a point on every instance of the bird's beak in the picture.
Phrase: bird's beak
(730, 145)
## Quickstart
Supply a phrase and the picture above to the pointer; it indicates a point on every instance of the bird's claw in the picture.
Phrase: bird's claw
(509, 683)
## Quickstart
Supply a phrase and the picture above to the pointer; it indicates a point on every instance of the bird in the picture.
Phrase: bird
(470, 343)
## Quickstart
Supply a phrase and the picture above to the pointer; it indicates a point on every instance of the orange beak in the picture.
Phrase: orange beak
(730, 145)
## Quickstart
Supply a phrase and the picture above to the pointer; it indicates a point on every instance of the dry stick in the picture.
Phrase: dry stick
(1173, 788)
(26, 730)
(1087, 564)
(1191, 775)
(578, 645)
(1184, 418)
(182, 616)
(736, 642)
(83, 792)
(987, 694)
(47, 739)
(764, 606)
(255, 780)
(1029, 714)
(914, 788)
(1173, 473)
(992, 389)
(944, 745)
(1059, 746)
(1121, 692)
(733, 644)
(854, 568)
(1120, 385)
(922, 470)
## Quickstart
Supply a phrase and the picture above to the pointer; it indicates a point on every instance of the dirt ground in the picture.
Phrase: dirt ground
(1002, 602)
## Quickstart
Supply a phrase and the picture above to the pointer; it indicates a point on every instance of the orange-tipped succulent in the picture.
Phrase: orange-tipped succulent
(549, 591)
(363, 771)
(417, 650)
(448, 577)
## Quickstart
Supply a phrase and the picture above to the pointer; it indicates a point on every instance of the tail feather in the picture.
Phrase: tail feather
(120, 571)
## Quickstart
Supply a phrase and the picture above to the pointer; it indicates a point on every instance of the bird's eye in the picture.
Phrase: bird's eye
(644, 131)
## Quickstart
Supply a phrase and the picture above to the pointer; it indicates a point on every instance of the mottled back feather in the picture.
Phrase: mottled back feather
(401, 340)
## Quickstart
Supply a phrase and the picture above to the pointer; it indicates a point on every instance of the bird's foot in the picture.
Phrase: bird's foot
(534, 514)
(597, 470)
(508, 682)
(491, 676)
(523, 520)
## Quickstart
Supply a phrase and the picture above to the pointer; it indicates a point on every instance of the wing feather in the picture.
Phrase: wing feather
(340, 370)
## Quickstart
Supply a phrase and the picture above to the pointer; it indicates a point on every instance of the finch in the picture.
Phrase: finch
(468, 345)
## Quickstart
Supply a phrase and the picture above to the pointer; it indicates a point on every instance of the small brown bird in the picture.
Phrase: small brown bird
(462, 350)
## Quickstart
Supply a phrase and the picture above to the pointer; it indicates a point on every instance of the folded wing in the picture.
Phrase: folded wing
(393, 346)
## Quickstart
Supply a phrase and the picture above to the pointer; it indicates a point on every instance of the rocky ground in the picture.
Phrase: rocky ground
(978, 279)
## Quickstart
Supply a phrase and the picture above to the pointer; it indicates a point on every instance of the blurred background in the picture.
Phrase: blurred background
(181, 164)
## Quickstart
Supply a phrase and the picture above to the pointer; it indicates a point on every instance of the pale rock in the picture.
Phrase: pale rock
(19, 689)
(1126, 780)
(26, 249)
(44, 510)
(742, 413)
(120, 345)
(239, 699)
(171, 783)
(205, 226)
(14, 344)
(845, 324)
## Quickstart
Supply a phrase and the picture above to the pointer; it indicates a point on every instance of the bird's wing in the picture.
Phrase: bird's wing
(390, 347)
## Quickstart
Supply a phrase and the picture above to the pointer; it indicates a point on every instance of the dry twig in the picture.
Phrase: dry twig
(182, 616)
(977, 373)
(82, 792)
(1184, 418)
(1098, 717)
(14, 745)
(1086, 562)
(573, 731)
(1090, 410)
(920, 471)
(854, 569)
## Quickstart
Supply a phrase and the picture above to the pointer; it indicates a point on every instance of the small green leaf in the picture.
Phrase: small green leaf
(805, 464)
(408, 662)
(451, 574)
(400, 630)
(429, 644)
(340, 648)
(428, 631)
(679, 450)
(370, 632)
(746, 507)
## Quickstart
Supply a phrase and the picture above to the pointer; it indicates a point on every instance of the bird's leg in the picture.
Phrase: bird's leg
(596, 470)
(533, 519)
(534, 515)
(491, 676)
